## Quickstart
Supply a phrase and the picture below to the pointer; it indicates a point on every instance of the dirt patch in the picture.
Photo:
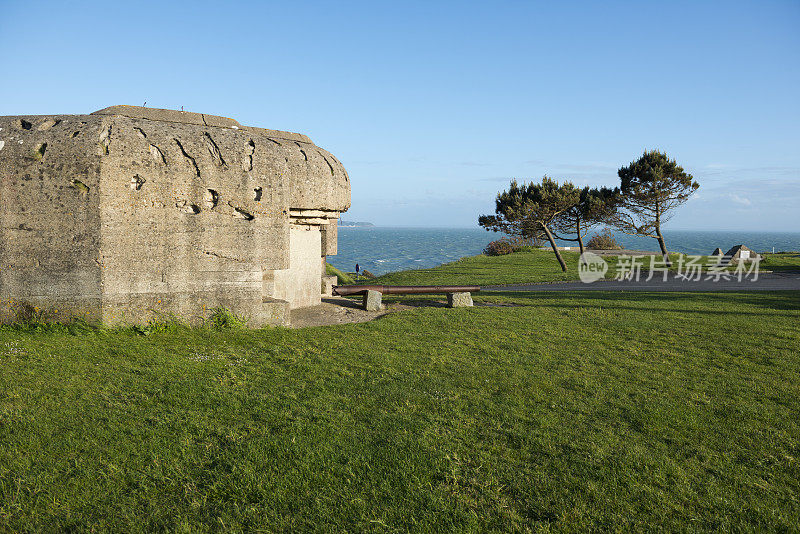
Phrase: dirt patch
(332, 311)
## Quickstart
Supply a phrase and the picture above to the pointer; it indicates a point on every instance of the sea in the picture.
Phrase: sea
(382, 250)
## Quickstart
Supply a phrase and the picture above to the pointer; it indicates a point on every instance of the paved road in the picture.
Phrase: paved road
(764, 282)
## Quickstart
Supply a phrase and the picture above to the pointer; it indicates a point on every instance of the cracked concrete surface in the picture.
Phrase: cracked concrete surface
(177, 213)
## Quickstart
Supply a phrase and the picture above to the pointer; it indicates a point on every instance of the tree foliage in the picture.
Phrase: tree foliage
(594, 206)
(532, 208)
(651, 188)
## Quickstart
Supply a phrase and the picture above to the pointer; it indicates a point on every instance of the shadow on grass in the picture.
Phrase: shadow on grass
(783, 269)
(344, 302)
(420, 303)
(413, 302)
(666, 301)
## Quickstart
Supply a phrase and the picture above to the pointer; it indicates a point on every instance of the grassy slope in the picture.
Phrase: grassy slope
(341, 278)
(532, 266)
(564, 410)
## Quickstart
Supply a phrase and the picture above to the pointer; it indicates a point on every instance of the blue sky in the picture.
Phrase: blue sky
(434, 106)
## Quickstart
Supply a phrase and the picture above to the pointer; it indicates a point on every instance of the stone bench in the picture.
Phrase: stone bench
(457, 296)
(462, 299)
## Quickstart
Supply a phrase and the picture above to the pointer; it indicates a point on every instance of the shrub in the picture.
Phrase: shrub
(366, 274)
(163, 323)
(223, 318)
(501, 247)
(604, 241)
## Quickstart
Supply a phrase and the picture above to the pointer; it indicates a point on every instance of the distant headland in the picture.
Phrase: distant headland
(353, 224)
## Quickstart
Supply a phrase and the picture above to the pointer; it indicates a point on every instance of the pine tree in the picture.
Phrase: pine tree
(651, 188)
(594, 206)
(533, 207)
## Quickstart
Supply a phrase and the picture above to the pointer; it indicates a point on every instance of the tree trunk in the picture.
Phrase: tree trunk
(661, 237)
(555, 248)
(663, 247)
(580, 237)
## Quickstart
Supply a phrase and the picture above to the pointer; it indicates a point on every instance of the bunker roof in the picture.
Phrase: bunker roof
(189, 117)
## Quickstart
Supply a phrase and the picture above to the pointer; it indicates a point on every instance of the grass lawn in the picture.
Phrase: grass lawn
(526, 266)
(537, 266)
(781, 262)
(565, 412)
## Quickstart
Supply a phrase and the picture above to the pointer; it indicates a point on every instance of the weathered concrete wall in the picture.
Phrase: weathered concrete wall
(300, 284)
(330, 238)
(189, 216)
(140, 213)
(49, 217)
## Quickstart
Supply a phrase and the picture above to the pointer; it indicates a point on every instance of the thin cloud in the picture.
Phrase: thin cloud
(475, 164)
(754, 186)
(573, 167)
(589, 167)
(727, 170)
(497, 179)
(744, 201)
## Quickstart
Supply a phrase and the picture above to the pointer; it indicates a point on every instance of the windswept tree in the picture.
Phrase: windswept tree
(533, 207)
(509, 218)
(594, 206)
(651, 188)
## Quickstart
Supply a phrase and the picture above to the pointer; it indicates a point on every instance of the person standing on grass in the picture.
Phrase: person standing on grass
(357, 269)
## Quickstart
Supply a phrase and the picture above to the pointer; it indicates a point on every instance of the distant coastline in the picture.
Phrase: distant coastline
(354, 224)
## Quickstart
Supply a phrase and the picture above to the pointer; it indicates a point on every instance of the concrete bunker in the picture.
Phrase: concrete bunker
(129, 214)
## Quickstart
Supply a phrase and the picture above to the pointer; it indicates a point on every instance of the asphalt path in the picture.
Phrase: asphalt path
(763, 282)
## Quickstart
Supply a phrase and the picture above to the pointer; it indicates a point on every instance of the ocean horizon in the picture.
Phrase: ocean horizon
(384, 249)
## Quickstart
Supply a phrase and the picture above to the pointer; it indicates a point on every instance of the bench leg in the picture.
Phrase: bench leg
(459, 300)
(372, 300)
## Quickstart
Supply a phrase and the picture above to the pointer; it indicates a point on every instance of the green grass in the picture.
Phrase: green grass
(562, 412)
(532, 266)
(781, 262)
(526, 266)
(341, 277)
